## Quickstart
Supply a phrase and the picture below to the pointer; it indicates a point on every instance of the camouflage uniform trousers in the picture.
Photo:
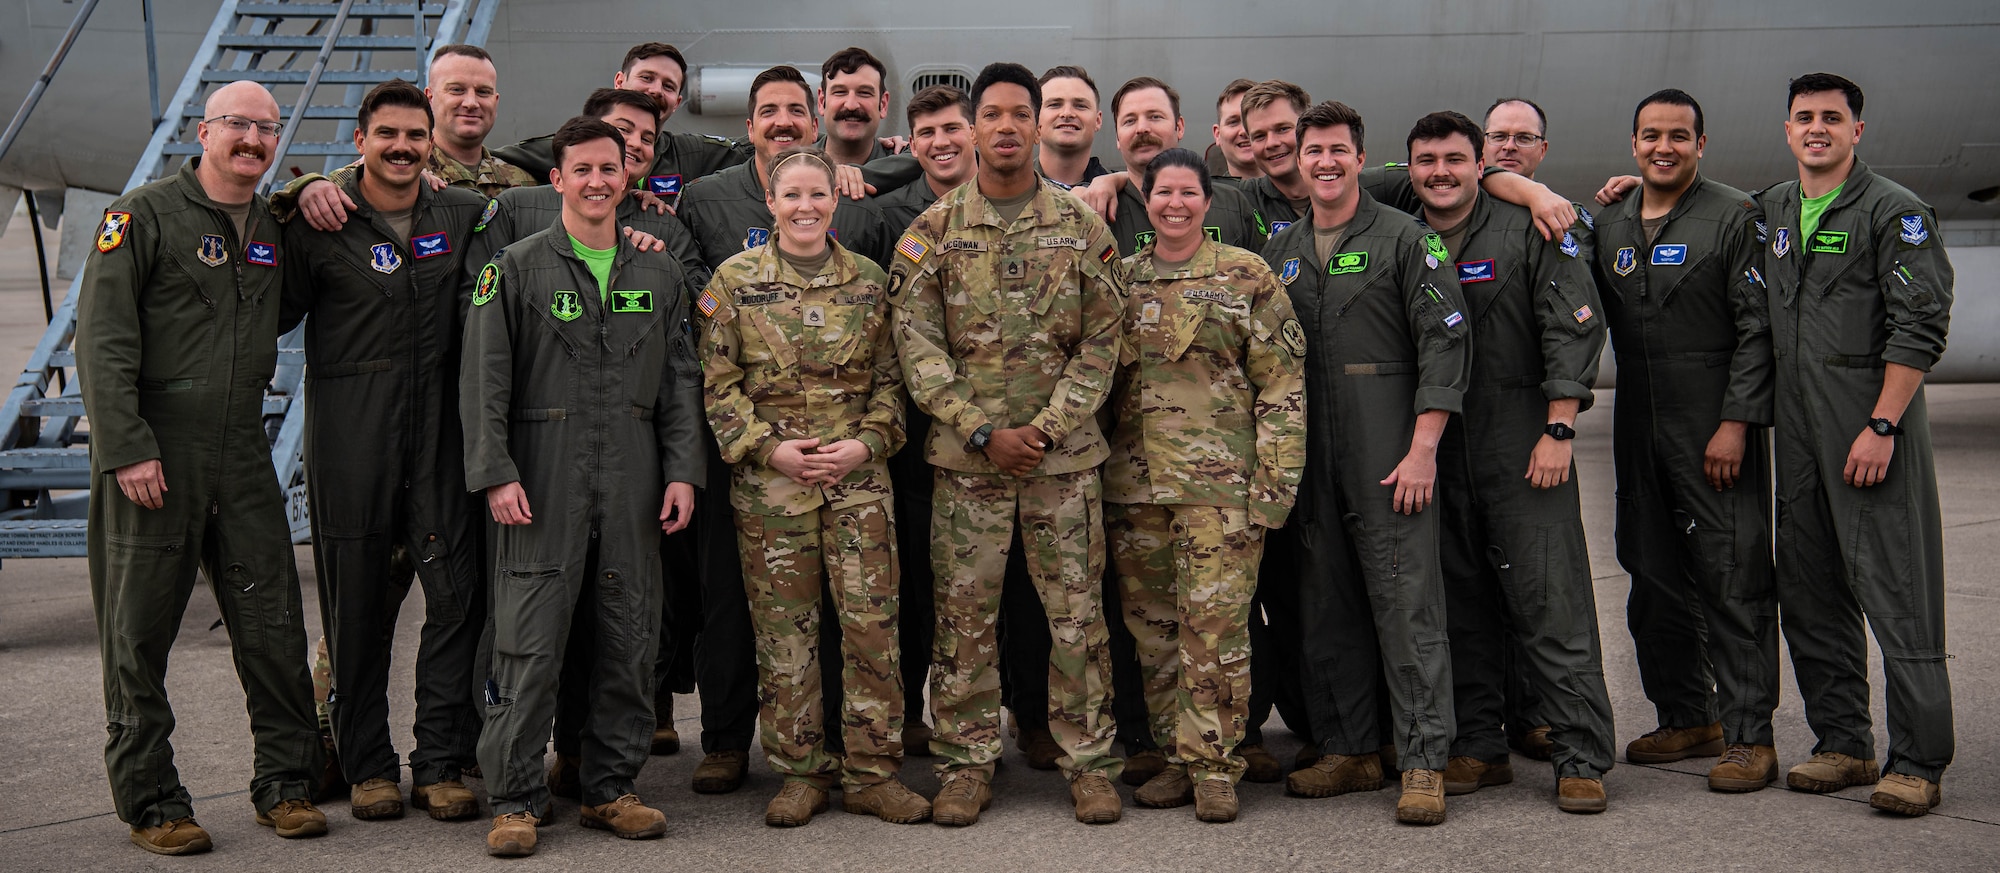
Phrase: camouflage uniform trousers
(1186, 576)
(973, 518)
(785, 558)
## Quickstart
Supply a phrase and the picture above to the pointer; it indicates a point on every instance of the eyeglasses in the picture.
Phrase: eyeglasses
(1520, 140)
(239, 124)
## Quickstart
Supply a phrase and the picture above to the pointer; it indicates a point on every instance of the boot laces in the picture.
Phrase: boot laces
(963, 788)
(1092, 784)
(1420, 780)
(1739, 754)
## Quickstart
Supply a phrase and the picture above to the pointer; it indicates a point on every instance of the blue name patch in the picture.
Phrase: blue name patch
(1470, 272)
(430, 245)
(1666, 255)
(261, 253)
(664, 185)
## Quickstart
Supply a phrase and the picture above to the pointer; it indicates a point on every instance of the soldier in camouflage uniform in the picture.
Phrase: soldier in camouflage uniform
(1007, 296)
(1207, 452)
(806, 400)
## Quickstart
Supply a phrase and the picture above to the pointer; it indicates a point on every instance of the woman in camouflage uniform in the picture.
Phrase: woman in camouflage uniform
(805, 395)
(1206, 454)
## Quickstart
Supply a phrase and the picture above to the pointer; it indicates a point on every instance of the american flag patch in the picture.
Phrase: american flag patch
(1582, 315)
(912, 248)
(708, 303)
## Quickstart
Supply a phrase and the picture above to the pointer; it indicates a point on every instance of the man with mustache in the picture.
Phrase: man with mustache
(383, 468)
(727, 213)
(1146, 113)
(176, 336)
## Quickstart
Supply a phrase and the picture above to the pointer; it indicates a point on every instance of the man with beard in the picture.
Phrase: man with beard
(383, 471)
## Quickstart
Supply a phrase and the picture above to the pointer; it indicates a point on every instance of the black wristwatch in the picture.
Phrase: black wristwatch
(977, 442)
(1884, 427)
(1560, 431)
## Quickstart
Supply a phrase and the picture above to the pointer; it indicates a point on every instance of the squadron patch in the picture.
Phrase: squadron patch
(1914, 233)
(1628, 258)
(111, 234)
(1349, 262)
(755, 237)
(430, 245)
(492, 209)
(383, 257)
(212, 251)
(1584, 214)
(1293, 336)
(631, 301)
(1214, 232)
(1781, 244)
(489, 285)
(910, 246)
(1278, 227)
(1434, 251)
(262, 254)
(1569, 246)
(565, 305)
(1289, 272)
(1143, 239)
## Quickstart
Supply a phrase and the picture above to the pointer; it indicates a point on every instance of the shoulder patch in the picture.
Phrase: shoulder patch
(1434, 252)
(708, 303)
(1569, 246)
(111, 233)
(492, 209)
(1289, 271)
(489, 285)
(1293, 336)
(1109, 254)
(1584, 215)
(913, 247)
(1913, 233)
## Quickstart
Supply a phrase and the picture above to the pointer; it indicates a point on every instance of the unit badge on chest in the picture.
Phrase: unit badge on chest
(383, 257)
(1628, 258)
(213, 252)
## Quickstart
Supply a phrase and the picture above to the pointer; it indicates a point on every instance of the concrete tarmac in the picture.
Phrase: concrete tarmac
(56, 813)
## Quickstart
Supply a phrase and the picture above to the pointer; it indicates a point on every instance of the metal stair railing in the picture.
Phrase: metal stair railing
(44, 459)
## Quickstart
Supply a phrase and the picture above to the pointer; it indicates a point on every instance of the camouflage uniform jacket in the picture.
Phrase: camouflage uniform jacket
(786, 357)
(1210, 399)
(1009, 325)
(489, 177)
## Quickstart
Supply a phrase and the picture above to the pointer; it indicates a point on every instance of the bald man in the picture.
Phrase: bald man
(176, 336)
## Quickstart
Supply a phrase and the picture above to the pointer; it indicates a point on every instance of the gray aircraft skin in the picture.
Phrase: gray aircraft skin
(1928, 68)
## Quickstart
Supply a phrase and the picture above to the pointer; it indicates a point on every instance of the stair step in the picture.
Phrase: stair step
(314, 41)
(339, 112)
(301, 11)
(297, 149)
(298, 77)
(72, 407)
(70, 458)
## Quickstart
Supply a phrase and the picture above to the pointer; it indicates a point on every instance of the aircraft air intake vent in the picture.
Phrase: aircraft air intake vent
(956, 77)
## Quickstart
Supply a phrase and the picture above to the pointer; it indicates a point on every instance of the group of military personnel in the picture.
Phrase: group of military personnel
(811, 427)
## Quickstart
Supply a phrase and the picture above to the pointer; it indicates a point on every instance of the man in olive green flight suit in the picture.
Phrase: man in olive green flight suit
(176, 337)
(1146, 113)
(1513, 543)
(1386, 367)
(580, 397)
(383, 467)
(1861, 294)
(1679, 267)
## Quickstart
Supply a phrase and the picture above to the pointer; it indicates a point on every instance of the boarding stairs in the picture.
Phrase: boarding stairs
(318, 59)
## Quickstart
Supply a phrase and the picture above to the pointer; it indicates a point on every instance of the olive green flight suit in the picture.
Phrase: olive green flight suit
(1514, 555)
(1385, 341)
(678, 159)
(384, 470)
(176, 338)
(593, 406)
(1870, 286)
(1691, 331)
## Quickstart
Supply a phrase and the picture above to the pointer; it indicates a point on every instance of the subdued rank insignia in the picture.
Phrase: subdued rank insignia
(489, 285)
(1583, 314)
(1831, 242)
(1569, 246)
(1670, 255)
(566, 305)
(111, 234)
(1013, 269)
(910, 246)
(1470, 272)
(631, 301)
(1150, 312)
(1278, 227)
(1914, 232)
(815, 316)
(664, 185)
(1289, 271)
(1781, 244)
(1628, 258)
(1434, 251)
(383, 257)
(262, 254)
(212, 252)
(430, 245)
(708, 303)
(1763, 232)
(1349, 262)
(492, 209)
(1293, 335)
(757, 236)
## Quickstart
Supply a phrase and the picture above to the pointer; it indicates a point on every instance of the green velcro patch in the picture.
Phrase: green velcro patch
(489, 285)
(631, 301)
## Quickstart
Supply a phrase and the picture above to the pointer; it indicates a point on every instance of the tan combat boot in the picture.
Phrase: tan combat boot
(1904, 794)
(666, 739)
(1170, 789)
(1337, 774)
(565, 777)
(1744, 767)
(294, 817)
(1422, 802)
(1259, 764)
(627, 818)
(797, 802)
(1665, 745)
(513, 835)
(374, 799)
(1534, 744)
(1141, 768)
(1464, 774)
(1215, 800)
(721, 772)
(448, 800)
(960, 801)
(889, 800)
(1828, 772)
(1580, 795)
(178, 837)
(1096, 799)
